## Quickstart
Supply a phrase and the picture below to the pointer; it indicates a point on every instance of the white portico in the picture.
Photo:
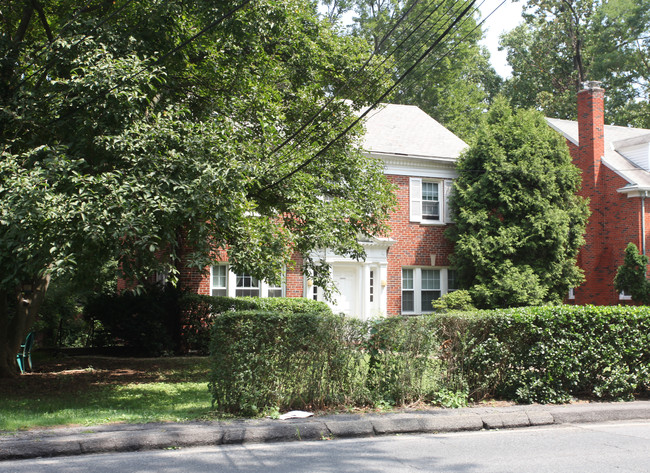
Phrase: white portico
(361, 285)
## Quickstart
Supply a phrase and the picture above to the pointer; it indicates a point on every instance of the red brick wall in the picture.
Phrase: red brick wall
(615, 219)
(415, 243)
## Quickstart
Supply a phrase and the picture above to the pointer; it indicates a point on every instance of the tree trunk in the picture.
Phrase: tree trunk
(18, 311)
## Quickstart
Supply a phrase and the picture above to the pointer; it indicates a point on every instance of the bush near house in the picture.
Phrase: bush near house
(198, 312)
(263, 360)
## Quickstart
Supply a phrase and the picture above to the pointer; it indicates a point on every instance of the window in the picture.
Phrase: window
(372, 286)
(429, 200)
(408, 291)
(219, 280)
(223, 282)
(247, 286)
(430, 288)
(572, 294)
(452, 280)
(421, 286)
(624, 296)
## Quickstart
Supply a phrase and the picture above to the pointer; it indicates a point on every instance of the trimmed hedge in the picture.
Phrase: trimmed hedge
(265, 360)
(199, 311)
(551, 354)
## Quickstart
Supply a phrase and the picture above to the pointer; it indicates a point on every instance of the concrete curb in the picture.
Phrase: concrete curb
(136, 437)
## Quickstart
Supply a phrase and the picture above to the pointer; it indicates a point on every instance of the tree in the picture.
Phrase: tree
(455, 83)
(563, 43)
(631, 275)
(519, 223)
(121, 140)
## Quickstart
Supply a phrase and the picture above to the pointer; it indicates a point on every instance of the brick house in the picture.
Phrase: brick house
(404, 270)
(615, 164)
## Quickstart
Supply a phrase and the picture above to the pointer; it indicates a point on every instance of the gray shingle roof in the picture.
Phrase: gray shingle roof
(614, 135)
(407, 130)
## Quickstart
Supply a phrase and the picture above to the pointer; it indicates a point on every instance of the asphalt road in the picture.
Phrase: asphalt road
(606, 447)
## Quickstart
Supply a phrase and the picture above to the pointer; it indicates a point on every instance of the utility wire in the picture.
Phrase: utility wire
(408, 55)
(334, 96)
(366, 87)
(377, 102)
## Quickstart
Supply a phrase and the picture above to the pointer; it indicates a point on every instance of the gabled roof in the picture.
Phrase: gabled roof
(405, 130)
(616, 138)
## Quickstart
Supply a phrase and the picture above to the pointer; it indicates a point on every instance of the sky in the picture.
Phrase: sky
(505, 18)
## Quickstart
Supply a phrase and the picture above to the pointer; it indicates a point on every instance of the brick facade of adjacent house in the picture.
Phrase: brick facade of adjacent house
(615, 218)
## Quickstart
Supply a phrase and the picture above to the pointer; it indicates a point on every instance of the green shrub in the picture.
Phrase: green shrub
(265, 360)
(456, 300)
(553, 353)
(198, 312)
(261, 360)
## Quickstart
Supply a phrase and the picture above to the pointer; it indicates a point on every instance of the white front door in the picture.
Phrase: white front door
(346, 281)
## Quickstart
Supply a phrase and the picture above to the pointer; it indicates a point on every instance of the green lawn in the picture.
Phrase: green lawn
(96, 390)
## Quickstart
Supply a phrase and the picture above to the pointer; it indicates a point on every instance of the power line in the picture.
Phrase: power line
(384, 95)
(365, 88)
(407, 56)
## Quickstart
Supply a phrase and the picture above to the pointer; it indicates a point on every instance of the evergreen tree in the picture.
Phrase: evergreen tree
(519, 223)
(631, 275)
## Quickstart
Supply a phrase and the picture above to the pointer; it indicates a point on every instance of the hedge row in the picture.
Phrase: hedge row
(309, 359)
(199, 311)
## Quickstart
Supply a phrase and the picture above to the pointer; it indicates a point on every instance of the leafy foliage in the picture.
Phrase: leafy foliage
(631, 276)
(263, 361)
(119, 144)
(455, 83)
(198, 313)
(456, 300)
(551, 354)
(519, 223)
(564, 43)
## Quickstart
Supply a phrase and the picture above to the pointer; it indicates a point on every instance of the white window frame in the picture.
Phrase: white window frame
(416, 200)
(223, 288)
(417, 288)
(572, 294)
(622, 296)
(231, 284)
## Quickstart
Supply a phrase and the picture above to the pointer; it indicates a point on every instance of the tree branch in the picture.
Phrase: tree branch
(24, 23)
(43, 18)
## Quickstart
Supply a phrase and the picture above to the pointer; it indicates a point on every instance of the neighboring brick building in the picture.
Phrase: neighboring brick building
(615, 164)
(408, 268)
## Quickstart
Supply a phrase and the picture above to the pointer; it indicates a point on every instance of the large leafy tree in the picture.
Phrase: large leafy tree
(519, 223)
(455, 83)
(563, 43)
(121, 140)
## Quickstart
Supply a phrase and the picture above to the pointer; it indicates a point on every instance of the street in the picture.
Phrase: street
(593, 448)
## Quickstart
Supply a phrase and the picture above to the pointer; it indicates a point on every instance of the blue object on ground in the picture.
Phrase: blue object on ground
(26, 353)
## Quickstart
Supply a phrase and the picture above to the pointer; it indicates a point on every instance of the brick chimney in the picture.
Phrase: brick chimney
(591, 130)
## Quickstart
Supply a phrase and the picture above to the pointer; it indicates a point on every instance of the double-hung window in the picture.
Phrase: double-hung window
(224, 282)
(219, 280)
(429, 200)
(247, 286)
(421, 286)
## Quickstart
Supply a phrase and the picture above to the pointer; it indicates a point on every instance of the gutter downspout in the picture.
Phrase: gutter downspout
(645, 193)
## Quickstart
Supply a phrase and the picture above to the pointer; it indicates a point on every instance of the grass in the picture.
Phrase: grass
(101, 390)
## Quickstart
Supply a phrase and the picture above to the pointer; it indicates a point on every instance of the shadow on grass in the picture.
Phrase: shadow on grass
(98, 390)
